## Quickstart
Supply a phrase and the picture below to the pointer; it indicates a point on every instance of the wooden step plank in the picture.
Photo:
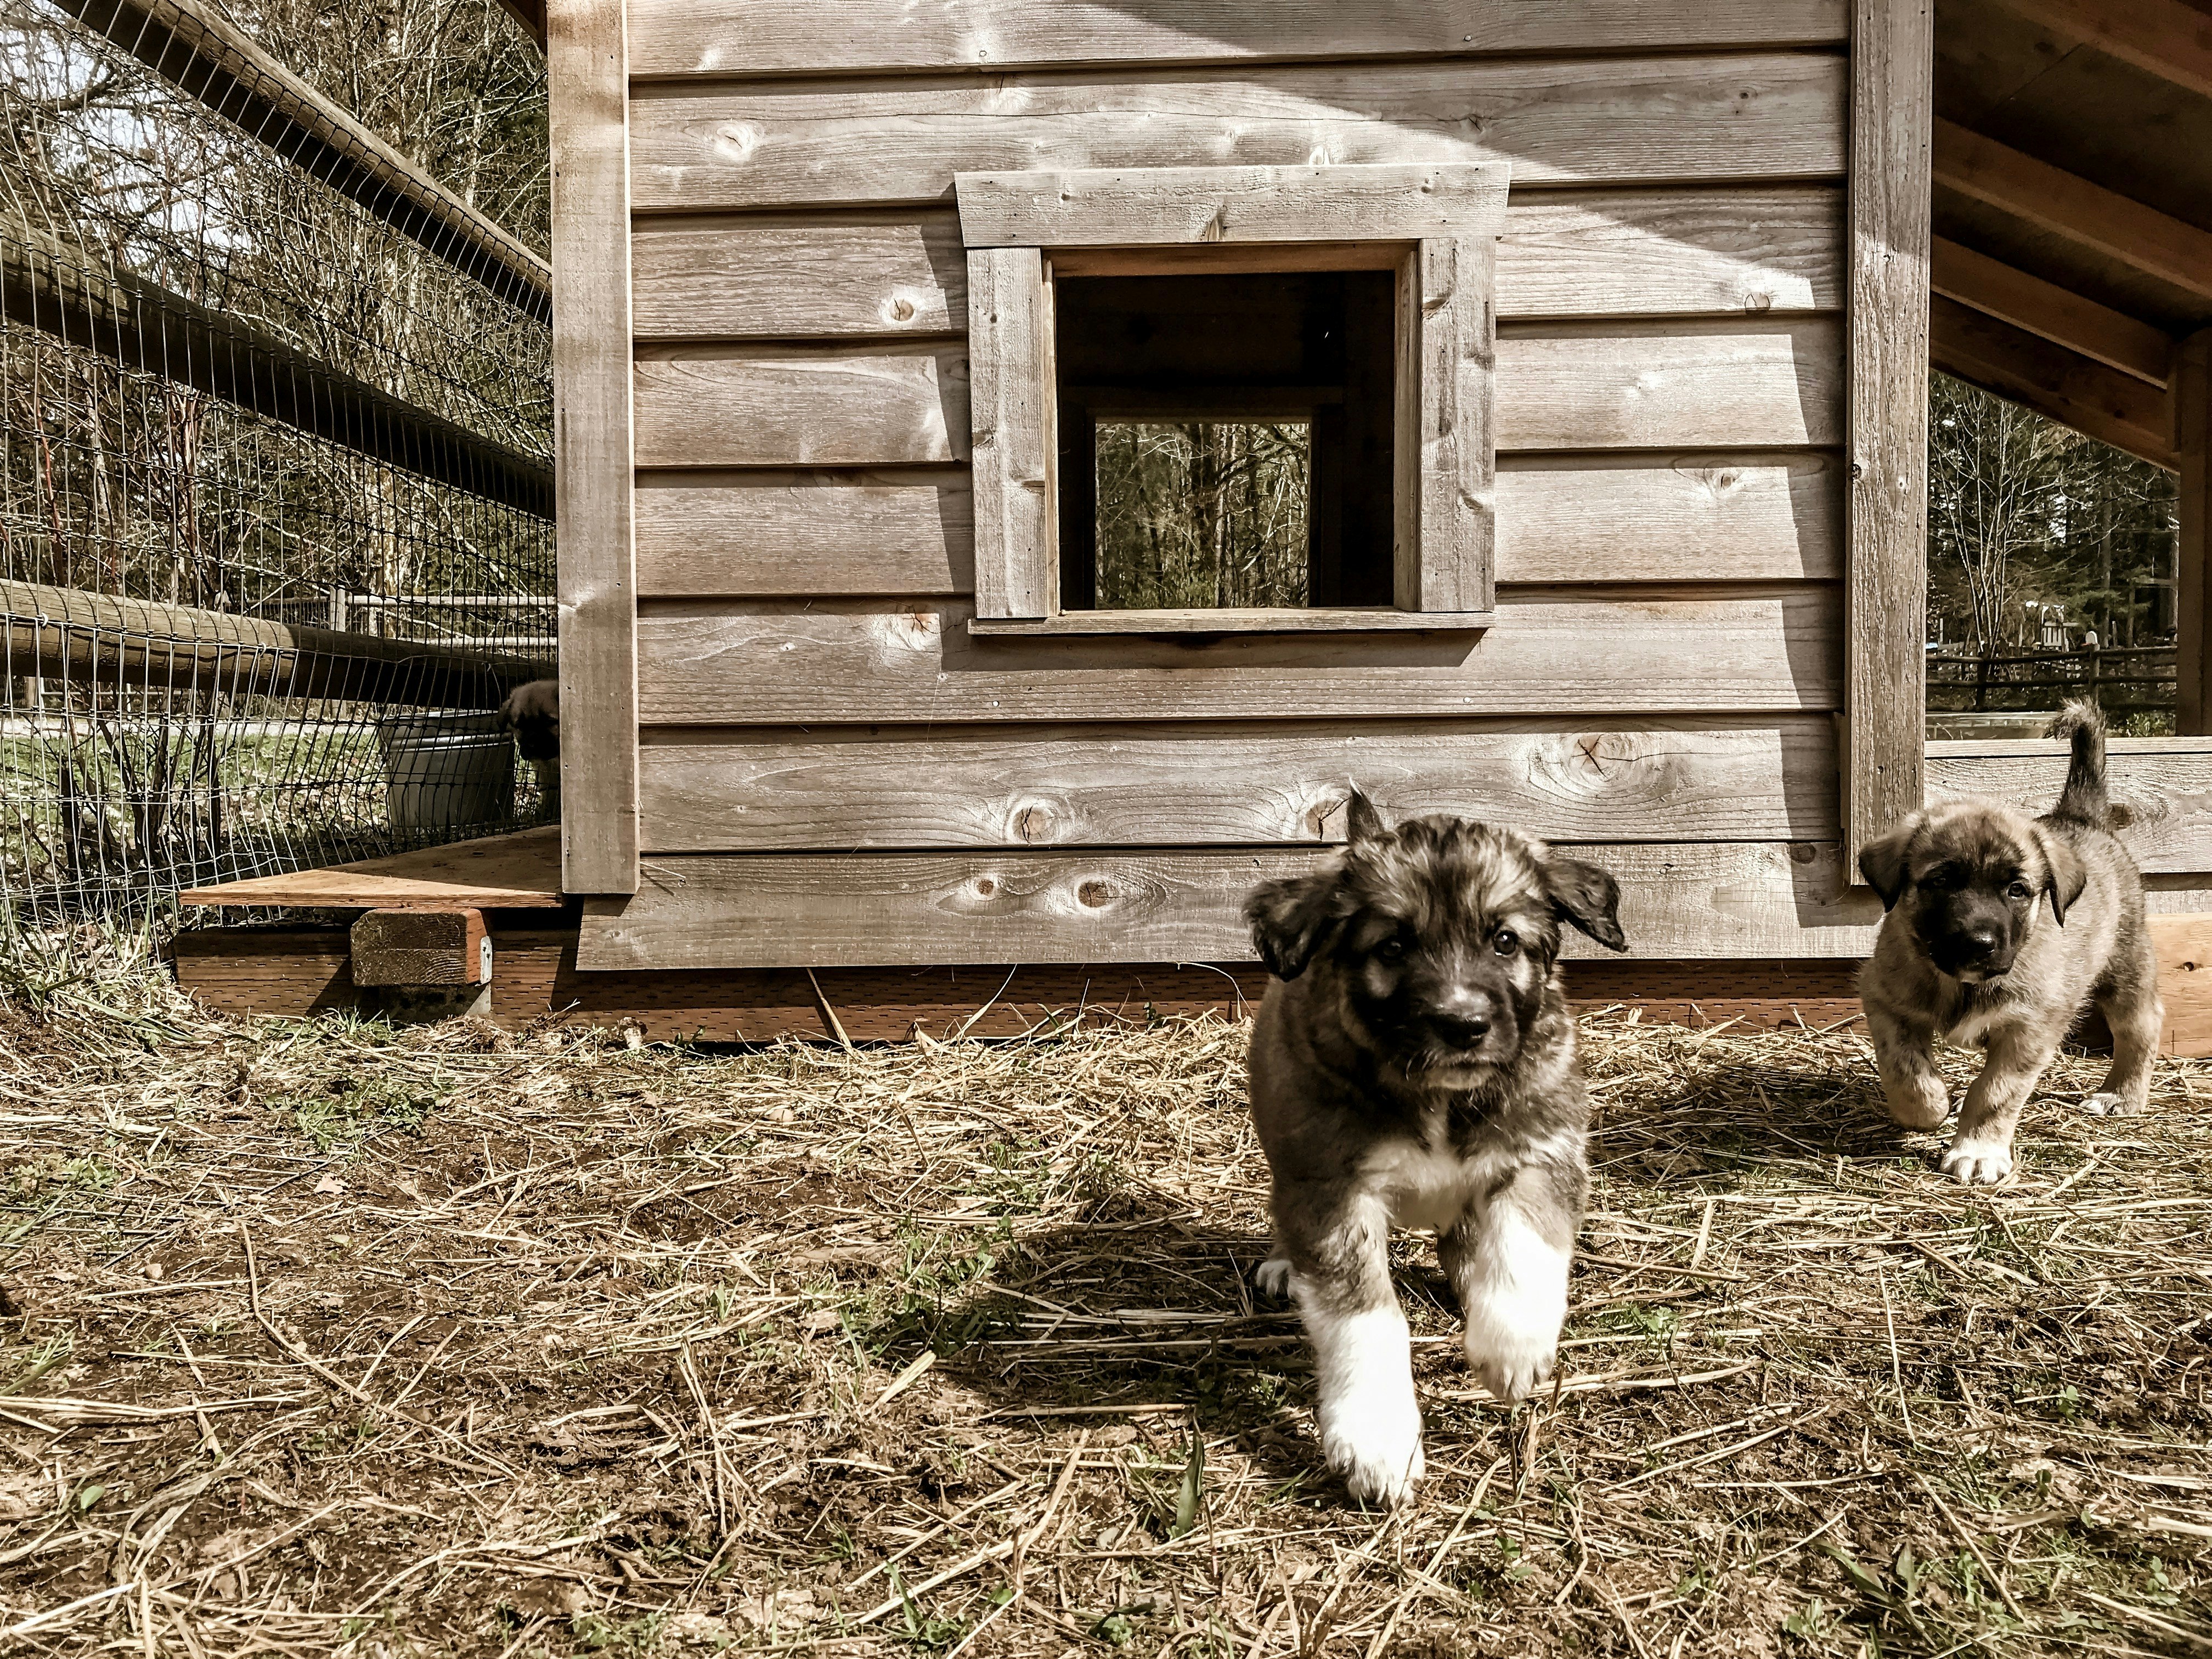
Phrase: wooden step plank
(902, 788)
(1640, 651)
(725, 39)
(1698, 516)
(768, 909)
(868, 273)
(294, 973)
(520, 871)
(1690, 384)
(1619, 121)
(2163, 785)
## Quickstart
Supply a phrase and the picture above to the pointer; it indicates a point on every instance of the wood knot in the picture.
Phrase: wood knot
(1802, 852)
(985, 886)
(1033, 824)
(901, 309)
(1095, 894)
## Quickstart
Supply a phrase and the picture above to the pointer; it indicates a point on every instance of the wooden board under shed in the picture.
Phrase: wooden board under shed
(520, 871)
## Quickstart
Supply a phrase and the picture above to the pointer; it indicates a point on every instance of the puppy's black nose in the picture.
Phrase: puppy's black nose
(1464, 1030)
(1983, 941)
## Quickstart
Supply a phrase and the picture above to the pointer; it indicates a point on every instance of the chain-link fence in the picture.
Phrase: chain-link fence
(274, 449)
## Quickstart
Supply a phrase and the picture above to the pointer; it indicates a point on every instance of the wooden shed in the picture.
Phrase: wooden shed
(1618, 465)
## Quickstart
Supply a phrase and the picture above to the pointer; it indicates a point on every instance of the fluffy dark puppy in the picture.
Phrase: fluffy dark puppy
(533, 712)
(1413, 1063)
(1999, 930)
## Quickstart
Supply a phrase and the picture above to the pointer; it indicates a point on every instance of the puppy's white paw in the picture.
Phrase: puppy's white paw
(1514, 1377)
(2112, 1105)
(1273, 1276)
(1373, 1443)
(1920, 1103)
(1978, 1163)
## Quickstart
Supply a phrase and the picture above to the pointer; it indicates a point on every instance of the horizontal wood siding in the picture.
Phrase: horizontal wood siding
(768, 909)
(1637, 517)
(2162, 787)
(896, 787)
(1738, 383)
(835, 771)
(728, 38)
(1756, 648)
(888, 272)
(813, 143)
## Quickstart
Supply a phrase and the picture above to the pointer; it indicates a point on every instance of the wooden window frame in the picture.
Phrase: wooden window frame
(1437, 226)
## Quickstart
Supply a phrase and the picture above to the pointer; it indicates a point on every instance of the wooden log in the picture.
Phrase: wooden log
(594, 421)
(1651, 652)
(196, 48)
(1589, 386)
(291, 973)
(131, 321)
(885, 272)
(2054, 314)
(67, 634)
(772, 909)
(2074, 391)
(1886, 498)
(731, 38)
(1599, 120)
(422, 947)
(1634, 517)
(879, 788)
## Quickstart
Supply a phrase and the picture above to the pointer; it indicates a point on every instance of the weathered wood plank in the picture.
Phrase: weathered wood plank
(880, 789)
(1702, 517)
(1766, 382)
(514, 871)
(856, 274)
(1201, 620)
(421, 947)
(1596, 386)
(1892, 103)
(1115, 207)
(879, 406)
(775, 909)
(766, 533)
(594, 428)
(1586, 121)
(1015, 431)
(731, 39)
(1455, 437)
(1642, 651)
(2164, 785)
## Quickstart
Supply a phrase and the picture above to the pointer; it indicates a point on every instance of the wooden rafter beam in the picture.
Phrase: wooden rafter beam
(2164, 37)
(200, 51)
(531, 14)
(2054, 314)
(2071, 389)
(2051, 199)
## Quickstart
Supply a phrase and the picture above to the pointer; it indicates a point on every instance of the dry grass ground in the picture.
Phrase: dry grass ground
(331, 1339)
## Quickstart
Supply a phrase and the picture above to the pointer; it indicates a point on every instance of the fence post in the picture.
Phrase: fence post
(1982, 683)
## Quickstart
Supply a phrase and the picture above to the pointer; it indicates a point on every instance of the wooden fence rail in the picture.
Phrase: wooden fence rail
(2008, 680)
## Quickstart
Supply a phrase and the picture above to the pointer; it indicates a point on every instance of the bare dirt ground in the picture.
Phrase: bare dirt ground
(330, 1340)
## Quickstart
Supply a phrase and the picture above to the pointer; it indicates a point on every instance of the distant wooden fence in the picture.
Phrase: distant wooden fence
(2128, 680)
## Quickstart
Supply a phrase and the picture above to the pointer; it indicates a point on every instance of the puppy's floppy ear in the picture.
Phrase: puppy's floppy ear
(1362, 820)
(1587, 898)
(1291, 920)
(1882, 863)
(2064, 874)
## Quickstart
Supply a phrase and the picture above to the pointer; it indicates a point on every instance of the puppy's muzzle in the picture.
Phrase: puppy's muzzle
(1469, 1026)
(1975, 953)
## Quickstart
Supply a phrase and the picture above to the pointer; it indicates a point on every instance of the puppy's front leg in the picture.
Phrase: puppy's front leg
(1905, 1053)
(1507, 1260)
(1980, 1152)
(2137, 1019)
(1370, 1427)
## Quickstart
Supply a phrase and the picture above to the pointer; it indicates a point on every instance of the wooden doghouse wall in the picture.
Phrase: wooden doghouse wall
(831, 770)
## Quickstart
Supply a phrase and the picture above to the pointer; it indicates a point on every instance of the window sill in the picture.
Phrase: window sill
(1344, 621)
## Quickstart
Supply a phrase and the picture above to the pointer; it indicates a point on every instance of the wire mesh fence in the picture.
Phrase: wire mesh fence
(274, 462)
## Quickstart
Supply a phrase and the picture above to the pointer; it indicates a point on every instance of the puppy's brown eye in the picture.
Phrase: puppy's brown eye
(2018, 889)
(1391, 949)
(1506, 942)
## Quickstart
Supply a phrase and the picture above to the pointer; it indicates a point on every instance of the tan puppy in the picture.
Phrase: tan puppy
(2000, 929)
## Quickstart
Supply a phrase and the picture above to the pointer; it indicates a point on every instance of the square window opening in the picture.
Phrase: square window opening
(1226, 442)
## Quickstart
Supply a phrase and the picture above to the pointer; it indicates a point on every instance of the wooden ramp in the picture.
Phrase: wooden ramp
(499, 872)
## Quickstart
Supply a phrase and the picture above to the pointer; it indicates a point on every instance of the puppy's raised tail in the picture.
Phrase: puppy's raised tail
(2083, 799)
